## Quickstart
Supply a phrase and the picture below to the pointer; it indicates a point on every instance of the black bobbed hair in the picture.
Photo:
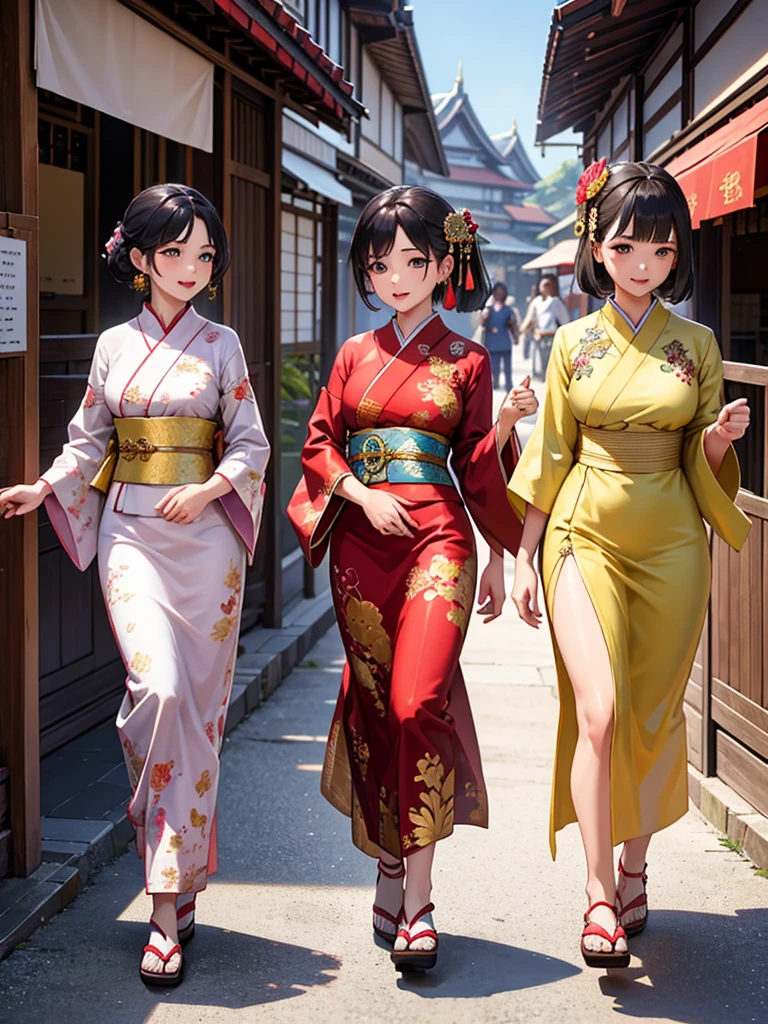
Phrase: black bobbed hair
(162, 214)
(421, 213)
(649, 197)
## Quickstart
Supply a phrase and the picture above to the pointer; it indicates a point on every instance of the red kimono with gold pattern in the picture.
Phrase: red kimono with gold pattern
(402, 758)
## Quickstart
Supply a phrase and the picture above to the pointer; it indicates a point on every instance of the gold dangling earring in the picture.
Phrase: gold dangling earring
(141, 283)
(213, 290)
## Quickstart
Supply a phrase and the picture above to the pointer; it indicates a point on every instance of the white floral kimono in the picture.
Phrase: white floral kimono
(173, 591)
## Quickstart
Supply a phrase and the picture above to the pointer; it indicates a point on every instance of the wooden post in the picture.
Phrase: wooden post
(19, 450)
(273, 608)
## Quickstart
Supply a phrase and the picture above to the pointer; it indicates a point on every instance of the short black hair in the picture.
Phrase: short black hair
(652, 200)
(421, 213)
(162, 214)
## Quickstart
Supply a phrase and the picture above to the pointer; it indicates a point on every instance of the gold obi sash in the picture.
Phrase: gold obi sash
(168, 450)
(630, 451)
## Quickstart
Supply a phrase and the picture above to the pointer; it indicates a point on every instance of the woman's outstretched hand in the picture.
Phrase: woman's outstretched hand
(23, 498)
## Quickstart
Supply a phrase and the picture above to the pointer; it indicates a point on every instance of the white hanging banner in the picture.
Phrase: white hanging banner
(99, 53)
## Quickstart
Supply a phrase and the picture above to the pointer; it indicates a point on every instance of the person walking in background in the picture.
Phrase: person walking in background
(500, 332)
(546, 313)
(527, 333)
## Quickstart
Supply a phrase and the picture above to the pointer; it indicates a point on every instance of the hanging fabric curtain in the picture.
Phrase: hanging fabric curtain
(99, 53)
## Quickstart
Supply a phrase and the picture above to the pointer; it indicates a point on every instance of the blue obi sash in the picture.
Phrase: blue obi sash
(399, 455)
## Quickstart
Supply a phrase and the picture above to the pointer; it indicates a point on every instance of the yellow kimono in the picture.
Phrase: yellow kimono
(617, 462)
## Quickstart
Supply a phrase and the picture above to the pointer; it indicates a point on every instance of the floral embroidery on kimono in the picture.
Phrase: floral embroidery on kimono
(679, 362)
(593, 345)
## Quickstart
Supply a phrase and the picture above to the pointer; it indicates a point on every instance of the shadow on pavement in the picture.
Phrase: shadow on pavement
(470, 968)
(696, 969)
(223, 969)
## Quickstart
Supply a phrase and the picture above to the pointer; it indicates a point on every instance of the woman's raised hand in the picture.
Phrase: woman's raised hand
(521, 401)
(23, 498)
(387, 515)
(733, 420)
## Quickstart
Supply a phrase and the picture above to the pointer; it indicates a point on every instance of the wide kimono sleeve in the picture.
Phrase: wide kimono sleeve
(548, 454)
(74, 507)
(482, 466)
(315, 506)
(714, 495)
(245, 451)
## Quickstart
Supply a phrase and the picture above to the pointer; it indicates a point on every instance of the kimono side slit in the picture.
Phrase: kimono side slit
(616, 460)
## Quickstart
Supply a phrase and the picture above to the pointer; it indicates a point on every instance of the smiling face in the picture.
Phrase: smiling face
(180, 270)
(405, 277)
(639, 268)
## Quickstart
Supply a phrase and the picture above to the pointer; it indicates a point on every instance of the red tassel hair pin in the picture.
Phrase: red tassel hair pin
(460, 230)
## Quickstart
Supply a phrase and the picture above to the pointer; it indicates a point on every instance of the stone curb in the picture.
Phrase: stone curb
(731, 815)
(75, 850)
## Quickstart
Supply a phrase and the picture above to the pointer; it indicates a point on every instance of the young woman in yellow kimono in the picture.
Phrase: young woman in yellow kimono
(630, 451)
(181, 514)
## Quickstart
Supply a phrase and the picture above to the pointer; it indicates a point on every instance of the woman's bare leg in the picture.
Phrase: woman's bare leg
(585, 655)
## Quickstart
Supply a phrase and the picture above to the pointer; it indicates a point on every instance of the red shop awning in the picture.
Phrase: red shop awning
(717, 175)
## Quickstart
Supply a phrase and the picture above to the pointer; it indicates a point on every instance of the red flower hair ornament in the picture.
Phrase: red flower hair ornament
(591, 182)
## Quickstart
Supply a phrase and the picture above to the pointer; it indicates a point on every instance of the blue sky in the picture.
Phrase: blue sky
(501, 43)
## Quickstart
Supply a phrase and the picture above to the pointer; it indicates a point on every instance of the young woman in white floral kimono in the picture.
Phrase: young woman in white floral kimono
(163, 476)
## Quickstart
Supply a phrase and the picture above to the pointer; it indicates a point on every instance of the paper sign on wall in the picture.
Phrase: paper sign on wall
(13, 295)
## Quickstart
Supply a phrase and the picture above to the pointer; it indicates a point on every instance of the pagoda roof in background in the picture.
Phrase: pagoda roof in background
(505, 153)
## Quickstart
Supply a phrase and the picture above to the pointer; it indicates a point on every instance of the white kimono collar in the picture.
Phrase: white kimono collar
(635, 327)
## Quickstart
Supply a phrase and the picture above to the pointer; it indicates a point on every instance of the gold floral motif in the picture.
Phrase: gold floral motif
(190, 877)
(418, 419)
(434, 820)
(130, 627)
(223, 627)
(171, 876)
(364, 624)
(176, 842)
(441, 387)
(454, 581)
(196, 819)
(360, 753)
(204, 783)
(134, 395)
(368, 412)
(366, 679)
(141, 663)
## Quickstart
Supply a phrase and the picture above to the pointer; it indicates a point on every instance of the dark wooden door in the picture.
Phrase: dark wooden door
(81, 672)
(248, 212)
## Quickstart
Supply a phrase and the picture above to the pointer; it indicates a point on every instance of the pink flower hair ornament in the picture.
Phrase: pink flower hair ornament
(113, 240)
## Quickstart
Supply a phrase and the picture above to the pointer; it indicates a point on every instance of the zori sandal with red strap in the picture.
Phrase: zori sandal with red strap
(634, 927)
(163, 978)
(596, 958)
(384, 923)
(421, 926)
(185, 920)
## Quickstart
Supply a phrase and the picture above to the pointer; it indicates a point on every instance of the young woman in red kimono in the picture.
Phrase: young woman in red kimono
(402, 758)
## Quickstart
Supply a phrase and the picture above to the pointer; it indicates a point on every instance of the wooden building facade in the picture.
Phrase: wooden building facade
(68, 169)
(685, 85)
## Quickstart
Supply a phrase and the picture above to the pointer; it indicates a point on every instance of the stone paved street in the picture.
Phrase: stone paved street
(284, 929)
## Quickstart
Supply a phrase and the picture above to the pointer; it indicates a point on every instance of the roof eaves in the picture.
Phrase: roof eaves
(277, 31)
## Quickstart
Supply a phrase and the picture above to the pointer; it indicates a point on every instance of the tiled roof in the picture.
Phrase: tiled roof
(530, 215)
(484, 176)
(328, 84)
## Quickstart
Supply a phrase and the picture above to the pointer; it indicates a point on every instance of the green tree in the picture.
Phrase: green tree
(556, 193)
